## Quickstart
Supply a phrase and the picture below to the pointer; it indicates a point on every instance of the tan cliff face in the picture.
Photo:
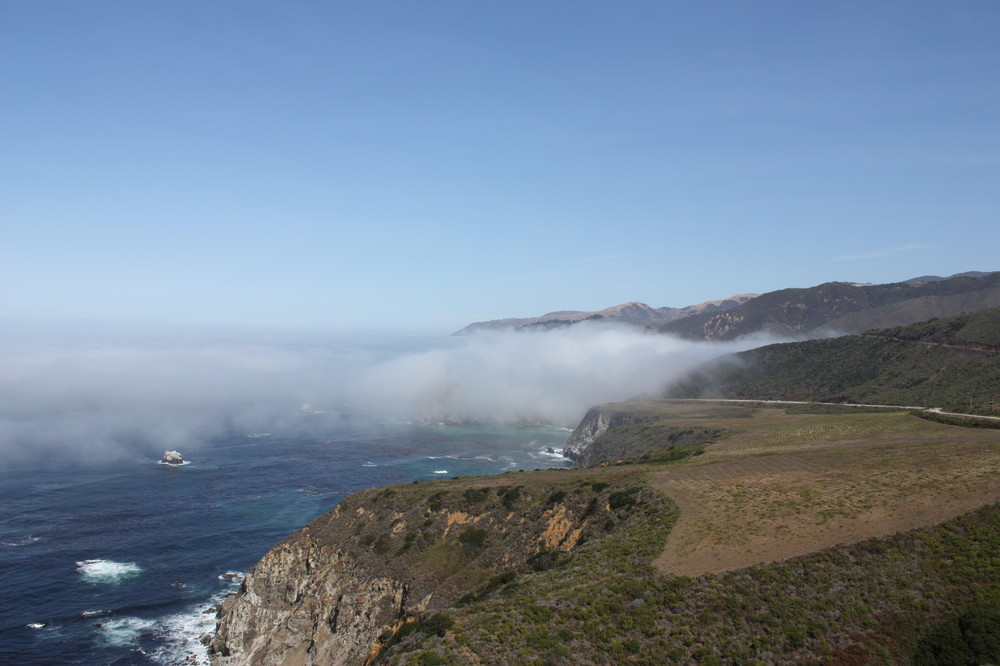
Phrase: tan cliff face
(336, 590)
(304, 603)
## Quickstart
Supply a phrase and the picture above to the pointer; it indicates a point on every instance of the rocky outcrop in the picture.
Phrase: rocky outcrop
(341, 587)
(599, 420)
(306, 603)
(172, 458)
(631, 431)
(647, 442)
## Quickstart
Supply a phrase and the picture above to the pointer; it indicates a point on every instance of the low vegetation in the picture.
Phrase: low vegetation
(906, 597)
(840, 307)
(651, 441)
(903, 599)
(950, 363)
(957, 420)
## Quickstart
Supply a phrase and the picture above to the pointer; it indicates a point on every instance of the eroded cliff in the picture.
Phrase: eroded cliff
(598, 420)
(342, 586)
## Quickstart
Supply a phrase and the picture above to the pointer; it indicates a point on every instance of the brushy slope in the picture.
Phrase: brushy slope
(900, 600)
(563, 566)
(953, 363)
(845, 307)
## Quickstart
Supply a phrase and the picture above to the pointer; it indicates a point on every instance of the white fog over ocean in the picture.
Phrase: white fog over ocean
(111, 557)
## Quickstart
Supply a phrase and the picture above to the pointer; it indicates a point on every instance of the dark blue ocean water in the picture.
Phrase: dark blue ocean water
(116, 564)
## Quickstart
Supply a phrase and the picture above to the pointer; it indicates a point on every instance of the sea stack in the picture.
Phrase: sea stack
(172, 458)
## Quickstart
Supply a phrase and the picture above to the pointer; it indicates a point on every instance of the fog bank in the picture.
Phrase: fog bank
(74, 398)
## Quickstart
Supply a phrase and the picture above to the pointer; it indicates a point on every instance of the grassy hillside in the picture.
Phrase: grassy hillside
(891, 600)
(775, 478)
(843, 307)
(951, 363)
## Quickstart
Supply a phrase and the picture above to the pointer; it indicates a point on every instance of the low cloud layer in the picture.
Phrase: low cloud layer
(64, 398)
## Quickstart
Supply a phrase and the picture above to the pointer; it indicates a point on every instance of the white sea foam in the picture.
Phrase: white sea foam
(27, 541)
(180, 637)
(107, 571)
(124, 631)
(180, 464)
(369, 464)
(440, 471)
(180, 634)
(94, 613)
(36, 625)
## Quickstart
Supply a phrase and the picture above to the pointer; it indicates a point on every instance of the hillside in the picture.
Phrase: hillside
(722, 591)
(951, 363)
(837, 308)
(688, 531)
(631, 313)
(718, 549)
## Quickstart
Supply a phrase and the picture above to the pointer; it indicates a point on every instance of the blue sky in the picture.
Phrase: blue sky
(422, 165)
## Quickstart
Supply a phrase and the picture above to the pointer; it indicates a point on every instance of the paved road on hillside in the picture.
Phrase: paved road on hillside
(936, 410)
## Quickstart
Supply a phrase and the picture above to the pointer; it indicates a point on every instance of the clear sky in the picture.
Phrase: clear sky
(422, 165)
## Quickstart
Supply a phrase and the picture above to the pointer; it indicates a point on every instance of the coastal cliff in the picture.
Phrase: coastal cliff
(575, 566)
(343, 586)
(597, 421)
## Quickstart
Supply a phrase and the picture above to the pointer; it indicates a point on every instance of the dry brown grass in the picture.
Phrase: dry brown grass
(785, 485)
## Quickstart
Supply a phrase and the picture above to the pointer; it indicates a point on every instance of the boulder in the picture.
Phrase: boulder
(172, 458)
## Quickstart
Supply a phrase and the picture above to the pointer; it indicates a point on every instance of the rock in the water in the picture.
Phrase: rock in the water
(172, 458)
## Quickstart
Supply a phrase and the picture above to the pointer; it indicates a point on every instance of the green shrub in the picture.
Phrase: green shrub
(556, 497)
(622, 499)
(972, 638)
(476, 495)
(434, 502)
(474, 537)
(438, 625)
(533, 614)
(510, 497)
(544, 560)
(493, 584)
(963, 421)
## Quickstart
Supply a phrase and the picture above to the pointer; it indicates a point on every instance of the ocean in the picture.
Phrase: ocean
(108, 557)
(123, 563)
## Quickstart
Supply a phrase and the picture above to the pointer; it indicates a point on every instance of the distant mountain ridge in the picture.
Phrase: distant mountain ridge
(837, 308)
(633, 313)
(832, 308)
(938, 278)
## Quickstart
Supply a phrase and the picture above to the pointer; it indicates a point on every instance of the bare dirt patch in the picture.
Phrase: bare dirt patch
(788, 485)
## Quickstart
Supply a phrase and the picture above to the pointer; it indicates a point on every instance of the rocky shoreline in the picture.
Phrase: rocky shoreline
(340, 588)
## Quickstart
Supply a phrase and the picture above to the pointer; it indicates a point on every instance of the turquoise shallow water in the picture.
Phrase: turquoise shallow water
(116, 564)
